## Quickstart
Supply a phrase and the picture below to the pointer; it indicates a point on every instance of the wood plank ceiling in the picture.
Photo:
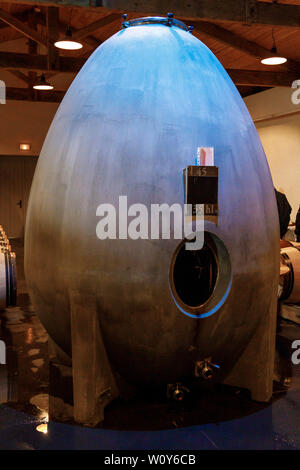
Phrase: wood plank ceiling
(28, 30)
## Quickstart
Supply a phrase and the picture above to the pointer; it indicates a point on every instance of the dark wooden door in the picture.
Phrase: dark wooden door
(16, 173)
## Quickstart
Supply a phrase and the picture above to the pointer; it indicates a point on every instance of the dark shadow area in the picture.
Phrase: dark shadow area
(195, 274)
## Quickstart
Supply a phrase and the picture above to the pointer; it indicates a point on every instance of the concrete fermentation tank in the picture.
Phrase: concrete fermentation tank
(131, 121)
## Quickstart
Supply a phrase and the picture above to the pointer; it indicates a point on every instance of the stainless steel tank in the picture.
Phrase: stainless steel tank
(131, 121)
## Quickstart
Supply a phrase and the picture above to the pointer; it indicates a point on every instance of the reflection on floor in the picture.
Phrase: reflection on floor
(213, 418)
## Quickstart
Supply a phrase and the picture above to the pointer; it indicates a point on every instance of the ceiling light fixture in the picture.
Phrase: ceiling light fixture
(24, 146)
(273, 58)
(68, 43)
(42, 84)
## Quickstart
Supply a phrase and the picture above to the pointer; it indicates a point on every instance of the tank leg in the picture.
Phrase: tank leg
(255, 368)
(60, 384)
(93, 381)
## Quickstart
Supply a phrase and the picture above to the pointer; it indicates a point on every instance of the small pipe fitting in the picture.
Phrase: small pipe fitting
(205, 369)
(177, 392)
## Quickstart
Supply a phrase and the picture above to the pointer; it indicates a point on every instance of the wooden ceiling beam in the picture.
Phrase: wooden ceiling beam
(9, 34)
(238, 42)
(261, 78)
(32, 50)
(11, 60)
(22, 27)
(20, 76)
(52, 22)
(92, 27)
(241, 11)
(24, 94)
(21, 16)
(245, 90)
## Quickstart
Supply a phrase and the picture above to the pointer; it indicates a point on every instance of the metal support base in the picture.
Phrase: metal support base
(83, 386)
(254, 370)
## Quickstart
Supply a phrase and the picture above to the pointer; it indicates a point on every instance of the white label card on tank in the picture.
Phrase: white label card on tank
(205, 156)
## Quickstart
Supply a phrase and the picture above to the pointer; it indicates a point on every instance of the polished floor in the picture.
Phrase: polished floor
(212, 418)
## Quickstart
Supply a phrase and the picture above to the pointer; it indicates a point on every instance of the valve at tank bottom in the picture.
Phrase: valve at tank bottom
(177, 392)
(205, 369)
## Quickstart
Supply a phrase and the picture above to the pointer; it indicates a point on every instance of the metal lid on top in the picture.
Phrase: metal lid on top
(167, 21)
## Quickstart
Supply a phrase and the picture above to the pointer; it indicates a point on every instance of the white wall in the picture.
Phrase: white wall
(280, 137)
(22, 121)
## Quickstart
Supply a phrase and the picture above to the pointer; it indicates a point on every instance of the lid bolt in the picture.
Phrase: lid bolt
(125, 23)
(170, 19)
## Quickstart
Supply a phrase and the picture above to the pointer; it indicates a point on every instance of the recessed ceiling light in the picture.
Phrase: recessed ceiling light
(24, 146)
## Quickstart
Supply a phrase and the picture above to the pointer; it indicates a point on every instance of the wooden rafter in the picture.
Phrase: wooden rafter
(9, 34)
(24, 94)
(52, 21)
(241, 11)
(22, 27)
(92, 27)
(261, 78)
(92, 41)
(21, 76)
(32, 50)
(12, 60)
(237, 42)
(21, 16)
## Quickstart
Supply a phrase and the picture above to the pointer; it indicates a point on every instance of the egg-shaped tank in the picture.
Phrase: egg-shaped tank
(129, 124)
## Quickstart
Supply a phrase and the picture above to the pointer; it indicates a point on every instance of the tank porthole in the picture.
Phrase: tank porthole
(200, 280)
